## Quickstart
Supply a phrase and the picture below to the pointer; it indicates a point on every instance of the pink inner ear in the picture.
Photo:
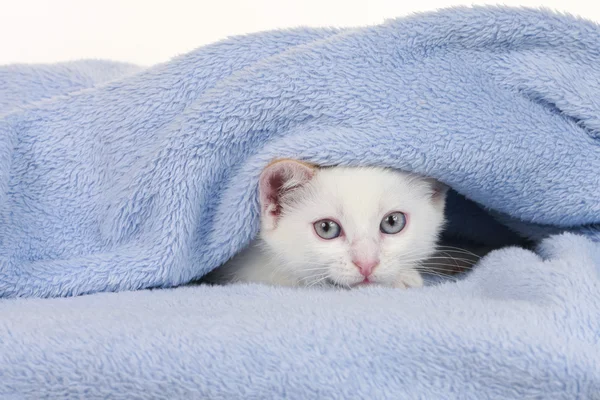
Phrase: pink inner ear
(439, 189)
(279, 177)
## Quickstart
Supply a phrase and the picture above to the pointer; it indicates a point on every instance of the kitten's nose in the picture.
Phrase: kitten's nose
(366, 266)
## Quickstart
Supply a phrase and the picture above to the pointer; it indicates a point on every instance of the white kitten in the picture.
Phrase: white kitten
(340, 226)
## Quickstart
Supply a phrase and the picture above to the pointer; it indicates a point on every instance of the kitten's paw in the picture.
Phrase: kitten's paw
(399, 285)
(409, 279)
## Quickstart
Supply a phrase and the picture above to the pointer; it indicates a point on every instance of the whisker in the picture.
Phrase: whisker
(458, 249)
(453, 258)
(319, 280)
(439, 275)
(428, 261)
(312, 269)
(444, 267)
(439, 271)
(313, 276)
(440, 266)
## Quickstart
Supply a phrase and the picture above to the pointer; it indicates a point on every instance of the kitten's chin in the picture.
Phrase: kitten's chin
(360, 284)
(404, 279)
(365, 282)
(341, 285)
(408, 280)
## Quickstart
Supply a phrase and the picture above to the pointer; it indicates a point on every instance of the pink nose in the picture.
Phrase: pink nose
(366, 267)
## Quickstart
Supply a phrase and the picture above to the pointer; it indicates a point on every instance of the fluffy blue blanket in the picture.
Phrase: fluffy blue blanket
(114, 178)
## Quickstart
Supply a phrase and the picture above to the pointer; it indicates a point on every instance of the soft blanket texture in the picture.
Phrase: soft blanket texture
(512, 330)
(149, 180)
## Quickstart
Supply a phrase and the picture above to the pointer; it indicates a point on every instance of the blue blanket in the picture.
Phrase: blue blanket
(115, 178)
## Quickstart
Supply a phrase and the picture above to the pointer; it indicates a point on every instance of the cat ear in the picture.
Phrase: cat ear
(278, 178)
(439, 191)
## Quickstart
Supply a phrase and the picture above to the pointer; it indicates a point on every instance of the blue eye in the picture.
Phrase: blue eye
(327, 229)
(393, 223)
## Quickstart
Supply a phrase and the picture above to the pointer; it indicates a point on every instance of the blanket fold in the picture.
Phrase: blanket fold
(117, 178)
(520, 326)
(126, 185)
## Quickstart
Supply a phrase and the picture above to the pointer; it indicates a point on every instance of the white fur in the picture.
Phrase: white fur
(289, 252)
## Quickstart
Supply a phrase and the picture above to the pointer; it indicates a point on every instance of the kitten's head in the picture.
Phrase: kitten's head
(349, 226)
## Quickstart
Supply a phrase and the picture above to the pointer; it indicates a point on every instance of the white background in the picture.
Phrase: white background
(147, 31)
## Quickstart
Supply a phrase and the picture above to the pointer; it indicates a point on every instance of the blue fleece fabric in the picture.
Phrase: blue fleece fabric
(149, 180)
(521, 326)
(24, 84)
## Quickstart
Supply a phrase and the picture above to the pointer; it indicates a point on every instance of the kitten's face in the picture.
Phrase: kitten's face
(351, 226)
